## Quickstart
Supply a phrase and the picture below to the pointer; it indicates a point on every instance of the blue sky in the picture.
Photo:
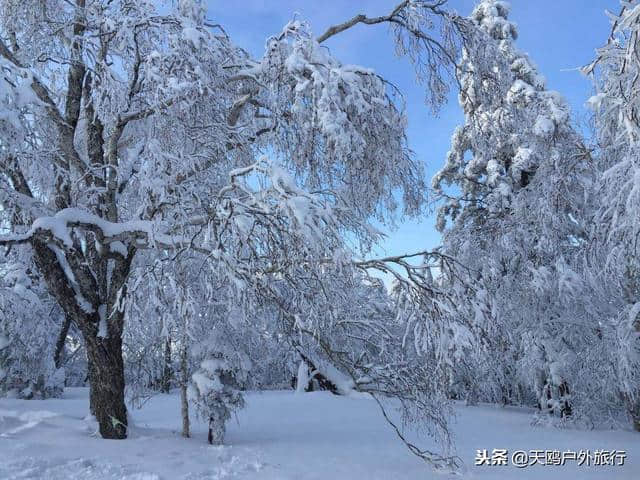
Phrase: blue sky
(559, 35)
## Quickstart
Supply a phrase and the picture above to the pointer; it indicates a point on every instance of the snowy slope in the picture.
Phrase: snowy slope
(280, 435)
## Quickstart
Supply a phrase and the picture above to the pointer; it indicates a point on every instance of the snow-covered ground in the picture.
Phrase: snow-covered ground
(280, 435)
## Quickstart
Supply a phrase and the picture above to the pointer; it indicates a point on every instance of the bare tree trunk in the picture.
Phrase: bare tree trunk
(62, 337)
(183, 392)
(107, 386)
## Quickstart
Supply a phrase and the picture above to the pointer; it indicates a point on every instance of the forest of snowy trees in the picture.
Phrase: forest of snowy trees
(177, 215)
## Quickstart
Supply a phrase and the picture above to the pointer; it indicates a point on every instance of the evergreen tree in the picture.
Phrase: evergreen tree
(513, 192)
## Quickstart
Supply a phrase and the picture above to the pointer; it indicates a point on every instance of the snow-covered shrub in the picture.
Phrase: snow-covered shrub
(215, 391)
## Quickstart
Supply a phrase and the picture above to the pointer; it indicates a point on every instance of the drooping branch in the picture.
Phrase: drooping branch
(395, 17)
(433, 55)
(450, 464)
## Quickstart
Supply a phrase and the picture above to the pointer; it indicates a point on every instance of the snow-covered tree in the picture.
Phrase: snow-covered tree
(215, 390)
(512, 123)
(514, 192)
(356, 338)
(126, 127)
(613, 258)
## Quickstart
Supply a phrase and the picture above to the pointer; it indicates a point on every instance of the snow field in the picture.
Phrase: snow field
(279, 436)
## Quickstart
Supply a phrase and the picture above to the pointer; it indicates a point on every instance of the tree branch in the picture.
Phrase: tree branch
(335, 29)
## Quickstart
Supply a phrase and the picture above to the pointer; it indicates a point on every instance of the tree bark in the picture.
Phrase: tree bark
(90, 377)
(106, 376)
(104, 354)
(62, 337)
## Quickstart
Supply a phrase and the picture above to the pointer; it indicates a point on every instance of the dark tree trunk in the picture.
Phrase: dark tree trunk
(106, 377)
(104, 354)
(62, 337)
(565, 403)
(323, 382)
(90, 376)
